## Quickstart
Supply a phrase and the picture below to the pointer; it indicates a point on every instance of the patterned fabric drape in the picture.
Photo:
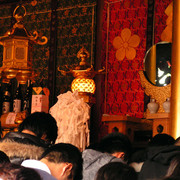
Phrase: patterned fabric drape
(160, 18)
(76, 29)
(123, 94)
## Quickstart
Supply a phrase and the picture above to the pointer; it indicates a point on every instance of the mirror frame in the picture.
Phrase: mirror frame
(159, 93)
(151, 57)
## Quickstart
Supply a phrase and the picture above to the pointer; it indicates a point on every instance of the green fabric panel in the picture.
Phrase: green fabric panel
(5, 23)
(75, 30)
(74, 3)
(38, 19)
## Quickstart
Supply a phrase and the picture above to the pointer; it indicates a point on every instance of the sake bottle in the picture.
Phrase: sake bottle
(17, 101)
(1, 95)
(6, 100)
(27, 98)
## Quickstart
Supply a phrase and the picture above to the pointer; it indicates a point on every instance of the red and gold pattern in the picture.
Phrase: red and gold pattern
(123, 92)
(127, 19)
(167, 32)
(160, 18)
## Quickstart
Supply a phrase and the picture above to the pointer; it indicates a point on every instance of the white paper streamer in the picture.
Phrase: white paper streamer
(72, 116)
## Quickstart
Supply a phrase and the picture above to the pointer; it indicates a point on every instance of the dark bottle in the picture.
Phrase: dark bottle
(6, 100)
(27, 98)
(17, 101)
(1, 95)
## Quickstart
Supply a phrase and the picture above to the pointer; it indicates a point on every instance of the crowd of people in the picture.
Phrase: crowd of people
(31, 153)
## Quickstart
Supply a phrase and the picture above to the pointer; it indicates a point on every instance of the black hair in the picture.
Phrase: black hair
(17, 172)
(3, 157)
(64, 152)
(177, 142)
(41, 123)
(116, 142)
(161, 140)
(116, 171)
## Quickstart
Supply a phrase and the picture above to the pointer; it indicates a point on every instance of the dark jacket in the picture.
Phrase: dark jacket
(158, 161)
(21, 146)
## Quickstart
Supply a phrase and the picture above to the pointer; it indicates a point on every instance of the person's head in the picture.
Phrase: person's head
(161, 140)
(116, 144)
(64, 161)
(177, 142)
(40, 124)
(116, 171)
(3, 157)
(11, 171)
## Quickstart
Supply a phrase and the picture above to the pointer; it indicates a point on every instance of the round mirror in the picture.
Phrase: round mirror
(157, 64)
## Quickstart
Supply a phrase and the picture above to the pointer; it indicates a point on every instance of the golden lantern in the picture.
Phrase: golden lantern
(17, 45)
(83, 73)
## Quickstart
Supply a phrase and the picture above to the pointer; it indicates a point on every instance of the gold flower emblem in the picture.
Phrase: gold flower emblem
(125, 45)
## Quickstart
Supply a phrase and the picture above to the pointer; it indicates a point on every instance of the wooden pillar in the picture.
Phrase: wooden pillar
(96, 108)
(175, 72)
(53, 53)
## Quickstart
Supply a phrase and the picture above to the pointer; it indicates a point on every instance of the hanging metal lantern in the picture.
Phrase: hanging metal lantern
(17, 47)
(84, 74)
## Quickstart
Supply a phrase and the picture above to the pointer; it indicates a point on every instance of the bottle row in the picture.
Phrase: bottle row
(17, 102)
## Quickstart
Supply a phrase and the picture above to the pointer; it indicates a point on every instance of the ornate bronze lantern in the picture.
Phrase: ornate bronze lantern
(17, 47)
(83, 73)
